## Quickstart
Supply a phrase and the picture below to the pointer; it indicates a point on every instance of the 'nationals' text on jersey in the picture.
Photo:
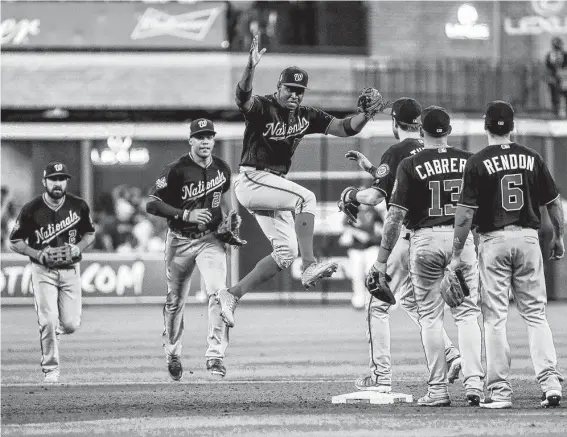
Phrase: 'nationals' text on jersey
(386, 172)
(428, 186)
(42, 226)
(507, 183)
(184, 184)
(273, 133)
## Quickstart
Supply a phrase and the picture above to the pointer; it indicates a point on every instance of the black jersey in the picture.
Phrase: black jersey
(184, 184)
(386, 172)
(428, 186)
(41, 226)
(272, 133)
(507, 184)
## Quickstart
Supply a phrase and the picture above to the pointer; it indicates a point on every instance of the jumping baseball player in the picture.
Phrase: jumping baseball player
(275, 125)
(405, 126)
(53, 230)
(192, 193)
(504, 186)
(425, 194)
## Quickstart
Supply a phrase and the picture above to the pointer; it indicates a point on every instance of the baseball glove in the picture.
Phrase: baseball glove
(454, 288)
(377, 285)
(56, 257)
(228, 230)
(370, 102)
(348, 206)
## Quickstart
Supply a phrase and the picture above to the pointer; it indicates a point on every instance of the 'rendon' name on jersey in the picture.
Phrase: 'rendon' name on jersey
(440, 166)
(511, 161)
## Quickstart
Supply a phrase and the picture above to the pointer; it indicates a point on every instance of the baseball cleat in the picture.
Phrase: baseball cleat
(429, 400)
(454, 369)
(495, 405)
(316, 271)
(368, 383)
(228, 304)
(551, 399)
(174, 367)
(474, 398)
(216, 367)
(51, 377)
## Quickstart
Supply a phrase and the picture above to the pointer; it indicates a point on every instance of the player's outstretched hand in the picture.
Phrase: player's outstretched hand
(362, 161)
(557, 249)
(201, 216)
(255, 56)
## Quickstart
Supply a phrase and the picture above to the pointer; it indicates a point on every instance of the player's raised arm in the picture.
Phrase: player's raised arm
(243, 96)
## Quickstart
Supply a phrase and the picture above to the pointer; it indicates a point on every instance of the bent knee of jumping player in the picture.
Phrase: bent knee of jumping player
(284, 254)
(306, 202)
(68, 326)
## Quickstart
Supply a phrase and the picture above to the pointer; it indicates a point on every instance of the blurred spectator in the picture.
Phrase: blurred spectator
(556, 66)
(253, 18)
(9, 215)
(363, 240)
(122, 224)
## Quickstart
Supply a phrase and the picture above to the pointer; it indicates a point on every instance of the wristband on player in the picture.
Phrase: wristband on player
(351, 195)
(186, 213)
(347, 125)
(241, 95)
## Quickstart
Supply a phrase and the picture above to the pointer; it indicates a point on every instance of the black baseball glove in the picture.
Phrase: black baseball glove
(348, 205)
(228, 230)
(56, 257)
(371, 102)
(377, 285)
(454, 288)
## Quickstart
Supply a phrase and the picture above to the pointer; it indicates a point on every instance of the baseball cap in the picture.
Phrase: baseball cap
(406, 110)
(294, 76)
(201, 125)
(499, 115)
(56, 168)
(435, 121)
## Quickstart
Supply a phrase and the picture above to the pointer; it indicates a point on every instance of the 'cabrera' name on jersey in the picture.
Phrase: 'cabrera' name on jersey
(428, 186)
(184, 184)
(386, 172)
(42, 226)
(273, 133)
(511, 182)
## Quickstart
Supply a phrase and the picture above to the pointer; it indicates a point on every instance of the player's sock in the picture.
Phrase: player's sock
(304, 226)
(265, 269)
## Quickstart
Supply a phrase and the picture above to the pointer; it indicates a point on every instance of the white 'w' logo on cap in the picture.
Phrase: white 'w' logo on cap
(202, 123)
(298, 77)
(58, 167)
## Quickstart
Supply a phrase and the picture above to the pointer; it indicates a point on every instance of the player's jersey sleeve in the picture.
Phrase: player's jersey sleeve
(386, 174)
(469, 192)
(547, 189)
(401, 190)
(85, 225)
(319, 121)
(256, 108)
(23, 228)
(164, 186)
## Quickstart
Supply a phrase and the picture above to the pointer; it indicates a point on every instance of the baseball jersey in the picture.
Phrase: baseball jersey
(272, 133)
(41, 226)
(428, 186)
(184, 184)
(386, 172)
(507, 184)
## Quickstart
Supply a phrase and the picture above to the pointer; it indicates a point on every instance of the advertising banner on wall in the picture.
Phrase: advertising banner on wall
(113, 25)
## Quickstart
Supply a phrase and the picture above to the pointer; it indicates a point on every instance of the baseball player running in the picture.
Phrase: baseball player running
(505, 184)
(53, 230)
(425, 195)
(192, 193)
(275, 125)
(405, 126)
